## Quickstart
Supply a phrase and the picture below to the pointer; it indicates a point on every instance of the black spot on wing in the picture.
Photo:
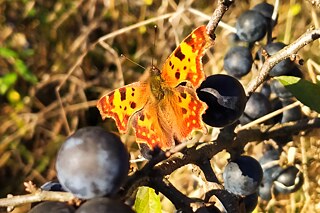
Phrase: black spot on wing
(133, 105)
(179, 54)
(189, 40)
(123, 92)
(184, 95)
(184, 110)
(142, 117)
(177, 75)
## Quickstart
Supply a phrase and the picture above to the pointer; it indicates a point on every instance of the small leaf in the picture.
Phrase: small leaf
(7, 53)
(7, 81)
(147, 201)
(23, 70)
(305, 91)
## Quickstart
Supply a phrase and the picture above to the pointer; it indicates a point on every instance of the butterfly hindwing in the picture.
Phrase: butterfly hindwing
(150, 130)
(188, 109)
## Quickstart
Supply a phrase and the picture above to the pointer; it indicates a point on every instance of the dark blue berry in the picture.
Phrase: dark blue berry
(238, 61)
(92, 163)
(280, 90)
(251, 26)
(265, 9)
(257, 106)
(104, 205)
(52, 186)
(283, 67)
(266, 90)
(52, 207)
(289, 180)
(265, 189)
(242, 176)
(225, 98)
(250, 202)
(293, 114)
(269, 156)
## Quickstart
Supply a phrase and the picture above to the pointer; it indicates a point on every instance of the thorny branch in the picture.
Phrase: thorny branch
(223, 6)
(286, 52)
(36, 197)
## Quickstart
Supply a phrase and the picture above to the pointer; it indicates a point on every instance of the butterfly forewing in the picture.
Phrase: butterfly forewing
(184, 64)
(122, 103)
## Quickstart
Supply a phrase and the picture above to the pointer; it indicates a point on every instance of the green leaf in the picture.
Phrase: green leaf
(7, 53)
(147, 201)
(23, 70)
(305, 91)
(7, 81)
(18, 64)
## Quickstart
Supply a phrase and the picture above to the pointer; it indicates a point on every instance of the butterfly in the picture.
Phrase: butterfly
(161, 109)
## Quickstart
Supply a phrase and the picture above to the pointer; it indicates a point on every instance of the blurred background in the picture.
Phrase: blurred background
(51, 47)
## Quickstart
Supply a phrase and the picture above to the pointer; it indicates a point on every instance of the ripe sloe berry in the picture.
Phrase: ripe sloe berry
(92, 163)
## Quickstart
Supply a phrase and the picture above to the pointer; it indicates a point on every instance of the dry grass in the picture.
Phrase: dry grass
(58, 41)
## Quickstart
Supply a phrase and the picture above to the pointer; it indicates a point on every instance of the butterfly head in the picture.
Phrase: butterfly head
(154, 71)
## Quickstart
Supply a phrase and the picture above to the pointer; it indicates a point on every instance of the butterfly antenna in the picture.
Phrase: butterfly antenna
(132, 61)
(154, 42)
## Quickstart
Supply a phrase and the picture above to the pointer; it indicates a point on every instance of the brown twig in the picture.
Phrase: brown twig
(223, 6)
(179, 200)
(36, 197)
(286, 52)
(315, 3)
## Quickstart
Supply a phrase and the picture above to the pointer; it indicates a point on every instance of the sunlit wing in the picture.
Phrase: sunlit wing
(184, 64)
(122, 103)
(188, 110)
(149, 130)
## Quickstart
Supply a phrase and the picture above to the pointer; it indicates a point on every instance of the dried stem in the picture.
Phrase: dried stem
(36, 197)
(223, 6)
(286, 52)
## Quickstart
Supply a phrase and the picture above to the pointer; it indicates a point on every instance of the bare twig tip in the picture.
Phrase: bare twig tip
(30, 187)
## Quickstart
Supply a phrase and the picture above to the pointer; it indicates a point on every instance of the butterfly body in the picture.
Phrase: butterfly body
(161, 110)
(156, 83)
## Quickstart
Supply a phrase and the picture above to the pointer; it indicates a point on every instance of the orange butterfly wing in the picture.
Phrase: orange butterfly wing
(172, 119)
(161, 111)
(148, 127)
(122, 103)
(184, 63)
(188, 110)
